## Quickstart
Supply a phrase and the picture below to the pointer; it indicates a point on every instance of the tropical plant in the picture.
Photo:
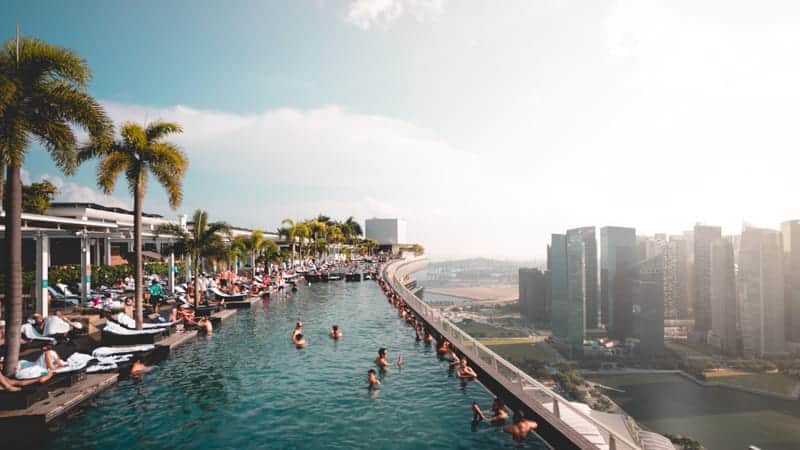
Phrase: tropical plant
(202, 240)
(141, 150)
(36, 197)
(255, 243)
(237, 250)
(43, 97)
(291, 233)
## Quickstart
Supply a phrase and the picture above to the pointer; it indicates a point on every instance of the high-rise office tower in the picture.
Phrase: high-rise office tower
(676, 274)
(618, 254)
(790, 231)
(704, 236)
(760, 292)
(533, 296)
(557, 267)
(724, 309)
(583, 242)
(648, 305)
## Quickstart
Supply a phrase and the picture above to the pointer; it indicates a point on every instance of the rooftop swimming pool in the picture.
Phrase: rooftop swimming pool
(247, 386)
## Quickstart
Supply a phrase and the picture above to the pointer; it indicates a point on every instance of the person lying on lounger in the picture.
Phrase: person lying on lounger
(13, 385)
(335, 333)
(49, 358)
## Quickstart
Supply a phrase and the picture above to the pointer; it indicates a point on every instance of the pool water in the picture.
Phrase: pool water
(247, 386)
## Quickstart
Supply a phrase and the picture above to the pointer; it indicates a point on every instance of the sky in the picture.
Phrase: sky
(487, 125)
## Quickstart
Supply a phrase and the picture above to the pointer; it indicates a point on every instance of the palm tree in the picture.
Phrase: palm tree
(269, 252)
(354, 227)
(255, 242)
(43, 97)
(203, 240)
(291, 233)
(238, 247)
(302, 232)
(141, 151)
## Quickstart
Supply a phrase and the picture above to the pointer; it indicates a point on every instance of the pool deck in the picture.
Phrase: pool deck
(246, 303)
(60, 403)
(221, 316)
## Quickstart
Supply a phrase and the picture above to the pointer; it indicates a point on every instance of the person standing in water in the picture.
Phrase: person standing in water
(521, 427)
(372, 379)
(382, 362)
(298, 328)
(335, 333)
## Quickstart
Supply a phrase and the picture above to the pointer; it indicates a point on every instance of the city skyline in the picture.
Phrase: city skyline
(316, 92)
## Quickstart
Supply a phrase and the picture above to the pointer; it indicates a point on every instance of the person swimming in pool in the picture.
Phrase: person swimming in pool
(335, 333)
(521, 427)
(499, 414)
(382, 362)
(464, 371)
(299, 340)
(298, 328)
(372, 379)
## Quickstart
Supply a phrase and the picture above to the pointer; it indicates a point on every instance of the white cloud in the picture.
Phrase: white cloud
(69, 191)
(367, 14)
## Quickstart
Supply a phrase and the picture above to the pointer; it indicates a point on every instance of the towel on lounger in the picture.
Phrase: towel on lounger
(115, 328)
(30, 333)
(101, 352)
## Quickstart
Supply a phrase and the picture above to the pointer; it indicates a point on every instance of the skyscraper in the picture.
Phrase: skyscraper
(704, 236)
(791, 271)
(618, 253)
(533, 296)
(724, 309)
(676, 282)
(583, 245)
(648, 305)
(760, 291)
(557, 266)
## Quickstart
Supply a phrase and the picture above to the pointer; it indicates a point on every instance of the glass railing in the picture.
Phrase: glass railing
(525, 387)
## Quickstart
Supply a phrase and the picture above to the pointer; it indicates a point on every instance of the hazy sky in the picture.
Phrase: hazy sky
(487, 125)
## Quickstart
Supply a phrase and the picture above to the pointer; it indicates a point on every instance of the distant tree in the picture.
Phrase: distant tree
(36, 197)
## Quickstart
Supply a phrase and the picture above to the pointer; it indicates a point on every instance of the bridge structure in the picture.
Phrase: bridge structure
(562, 424)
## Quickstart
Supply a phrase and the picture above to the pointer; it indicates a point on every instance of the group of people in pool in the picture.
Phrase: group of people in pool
(497, 415)
(299, 340)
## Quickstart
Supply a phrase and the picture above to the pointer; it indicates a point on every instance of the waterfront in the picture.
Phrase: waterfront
(248, 387)
(719, 418)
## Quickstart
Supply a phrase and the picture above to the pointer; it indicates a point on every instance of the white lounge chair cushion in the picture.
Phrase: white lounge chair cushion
(224, 295)
(128, 322)
(27, 370)
(54, 325)
(117, 329)
(31, 333)
(76, 361)
(102, 352)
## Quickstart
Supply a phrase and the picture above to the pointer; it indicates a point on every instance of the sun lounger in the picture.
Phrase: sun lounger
(116, 334)
(128, 322)
(104, 352)
(55, 326)
(230, 297)
(30, 333)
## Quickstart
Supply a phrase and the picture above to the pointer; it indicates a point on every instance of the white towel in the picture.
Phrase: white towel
(101, 352)
(27, 370)
(114, 328)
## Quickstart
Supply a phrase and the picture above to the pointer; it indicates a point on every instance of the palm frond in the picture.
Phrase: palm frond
(109, 169)
(157, 130)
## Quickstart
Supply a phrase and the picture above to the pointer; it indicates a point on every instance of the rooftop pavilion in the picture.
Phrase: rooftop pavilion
(89, 234)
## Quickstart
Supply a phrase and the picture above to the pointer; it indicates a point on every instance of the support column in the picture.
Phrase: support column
(86, 268)
(42, 265)
(96, 252)
(171, 275)
(107, 251)
(188, 269)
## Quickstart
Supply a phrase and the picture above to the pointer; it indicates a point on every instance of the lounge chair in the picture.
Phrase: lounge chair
(56, 326)
(58, 297)
(128, 322)
(104, 352)
(229, 297)
(116, 334)
(30, 333)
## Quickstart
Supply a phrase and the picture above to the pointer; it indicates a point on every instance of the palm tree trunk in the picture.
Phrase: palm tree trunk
(137, 262)
(13, 288)
(196, 263)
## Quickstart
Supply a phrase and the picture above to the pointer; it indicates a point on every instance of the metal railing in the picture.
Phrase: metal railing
(525, 387)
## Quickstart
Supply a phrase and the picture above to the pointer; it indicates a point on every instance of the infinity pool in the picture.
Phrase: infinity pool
(248, 387)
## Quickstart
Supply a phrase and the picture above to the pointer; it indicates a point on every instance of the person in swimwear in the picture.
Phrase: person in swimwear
(335, 333)
(382, 362)
(299, 340)
(464, 371)
(204, 326)
(298, 328)
(499, 414)
(521, 427)
(372, 379)
(13, 385)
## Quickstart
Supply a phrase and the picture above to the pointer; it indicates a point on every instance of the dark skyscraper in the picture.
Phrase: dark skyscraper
(533, 296)
(557, 266)
(618, 254)
(582, 250)
(724, 309)
(704, 236)
(648, 307)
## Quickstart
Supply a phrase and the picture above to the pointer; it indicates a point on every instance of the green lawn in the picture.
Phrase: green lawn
(519, 353)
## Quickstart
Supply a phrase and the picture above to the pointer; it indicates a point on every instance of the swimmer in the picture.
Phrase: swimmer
(335, 333)
(372, 379)
(382, 362)
(428, 337)
(443, 349)
(477, 414)
(464, 371)
(298, 328)
(138, 368)
(499, 412)
(299, 340)
(204, 326)
(521, 427)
